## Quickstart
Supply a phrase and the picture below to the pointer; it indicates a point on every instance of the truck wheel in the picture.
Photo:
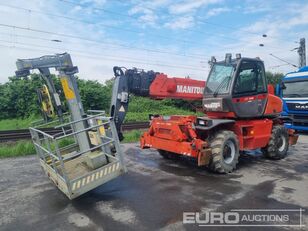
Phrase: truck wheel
(225, 152)
(278, 144)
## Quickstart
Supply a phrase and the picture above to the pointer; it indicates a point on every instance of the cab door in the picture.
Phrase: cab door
(249, 93)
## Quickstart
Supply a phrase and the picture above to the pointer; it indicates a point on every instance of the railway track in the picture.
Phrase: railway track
(23, 134)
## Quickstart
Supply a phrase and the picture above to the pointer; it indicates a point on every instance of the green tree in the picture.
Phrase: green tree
(274, 78)
(94, 95)
(18, 97)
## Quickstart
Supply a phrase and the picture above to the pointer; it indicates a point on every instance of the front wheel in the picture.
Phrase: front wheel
(278, 144)
(225, 152)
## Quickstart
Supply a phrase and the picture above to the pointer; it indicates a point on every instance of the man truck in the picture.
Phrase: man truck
(293, 90)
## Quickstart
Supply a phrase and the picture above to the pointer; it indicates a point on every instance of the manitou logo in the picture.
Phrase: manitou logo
(189, 89)
(212, 105)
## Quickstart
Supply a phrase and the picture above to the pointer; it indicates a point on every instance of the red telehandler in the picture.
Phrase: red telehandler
(242, 113)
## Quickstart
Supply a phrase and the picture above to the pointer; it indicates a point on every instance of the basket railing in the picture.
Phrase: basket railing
(55, 150)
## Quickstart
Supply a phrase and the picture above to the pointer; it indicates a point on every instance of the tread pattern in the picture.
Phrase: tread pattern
(217, 144)
(271, 150)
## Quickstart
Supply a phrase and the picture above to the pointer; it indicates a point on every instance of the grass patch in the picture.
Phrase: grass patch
(140, 108)
(26, 147)
(18, 123)
(19, 148)
(65, 142)
(132, 136)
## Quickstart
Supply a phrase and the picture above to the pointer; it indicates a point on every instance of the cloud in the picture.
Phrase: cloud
(96, 59)
(256, 9)
(146, 11)
(189, 6)
(145, 15)
(217, 11)
(180, 23)
(76, 9)
(96, 3)
(181, 14)
(300, 18)
(278, 24)
(281, 30)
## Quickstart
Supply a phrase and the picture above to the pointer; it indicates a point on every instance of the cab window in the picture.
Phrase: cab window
(250, 80)
(261, 79)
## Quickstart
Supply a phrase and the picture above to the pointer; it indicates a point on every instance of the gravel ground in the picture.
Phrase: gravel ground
(154, 193)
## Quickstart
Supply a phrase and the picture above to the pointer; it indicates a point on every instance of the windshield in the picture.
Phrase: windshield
(295, 89)
(219, 79)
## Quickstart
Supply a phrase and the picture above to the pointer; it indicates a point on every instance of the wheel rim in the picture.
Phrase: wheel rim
(282, 142)
(229, 152)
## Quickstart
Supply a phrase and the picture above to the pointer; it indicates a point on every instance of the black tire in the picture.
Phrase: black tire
(225, 152)
(278, 144)
(166, 154)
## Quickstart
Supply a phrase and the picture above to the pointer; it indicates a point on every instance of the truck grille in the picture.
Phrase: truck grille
(295, 106)
(301, 117)
(300, 120)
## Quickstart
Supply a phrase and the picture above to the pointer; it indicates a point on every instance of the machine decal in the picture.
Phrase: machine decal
(68, 92)
(215, 105)
(189, 89)
(122, 109)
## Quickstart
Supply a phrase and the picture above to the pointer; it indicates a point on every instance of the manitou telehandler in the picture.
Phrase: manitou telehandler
(241, 113)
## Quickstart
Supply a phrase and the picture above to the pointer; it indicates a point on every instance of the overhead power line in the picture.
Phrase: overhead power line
(124, 28)
(106, 57)
(135, 17)
(283, 60)
(91, 40)
(30, 37)
(155, 10)
(276, 66)
(96, 41)
(112, 47)
(91, 23)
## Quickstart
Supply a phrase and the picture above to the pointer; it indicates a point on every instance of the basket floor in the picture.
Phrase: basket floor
(76, 167)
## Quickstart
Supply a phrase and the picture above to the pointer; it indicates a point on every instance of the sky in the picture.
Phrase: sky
(174, 37)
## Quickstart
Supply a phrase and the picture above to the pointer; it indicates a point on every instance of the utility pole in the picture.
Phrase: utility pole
(302, 53)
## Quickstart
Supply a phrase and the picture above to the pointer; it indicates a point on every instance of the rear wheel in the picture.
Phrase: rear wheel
(225, 152)
(278, 145)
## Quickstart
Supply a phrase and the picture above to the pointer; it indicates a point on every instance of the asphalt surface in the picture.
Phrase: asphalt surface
(154, 193)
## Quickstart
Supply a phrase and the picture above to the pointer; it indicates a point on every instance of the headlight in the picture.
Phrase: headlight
(201, 122)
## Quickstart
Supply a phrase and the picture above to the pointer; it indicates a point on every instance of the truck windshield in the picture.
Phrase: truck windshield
(219, 79)
(295, 89)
